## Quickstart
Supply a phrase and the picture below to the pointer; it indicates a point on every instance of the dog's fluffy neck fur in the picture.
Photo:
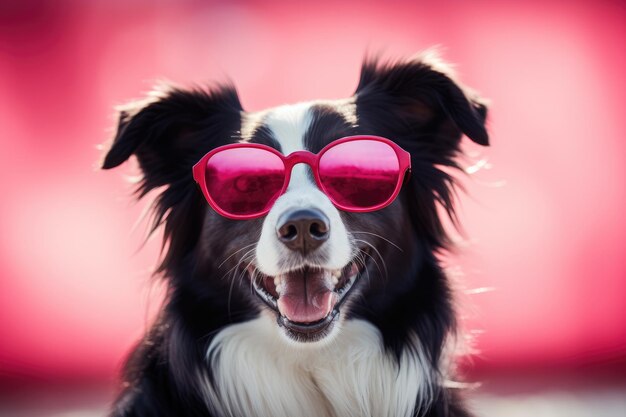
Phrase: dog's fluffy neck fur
(256, 372)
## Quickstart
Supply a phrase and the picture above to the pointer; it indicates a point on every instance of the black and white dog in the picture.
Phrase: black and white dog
(221, 347)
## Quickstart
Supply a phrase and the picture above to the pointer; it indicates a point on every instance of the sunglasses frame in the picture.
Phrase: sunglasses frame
(312, 160)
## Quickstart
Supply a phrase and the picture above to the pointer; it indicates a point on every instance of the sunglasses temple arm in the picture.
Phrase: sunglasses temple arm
(407, 176)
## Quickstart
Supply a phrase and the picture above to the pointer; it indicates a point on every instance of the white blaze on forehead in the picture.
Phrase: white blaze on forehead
(289, 125)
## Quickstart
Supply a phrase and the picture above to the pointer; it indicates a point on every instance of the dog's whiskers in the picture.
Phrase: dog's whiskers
(255, 273)
(238, 275)
(380, 237)
(234, 253)
(378, 254)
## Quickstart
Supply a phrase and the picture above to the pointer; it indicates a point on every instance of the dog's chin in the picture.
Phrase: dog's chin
(307, 300)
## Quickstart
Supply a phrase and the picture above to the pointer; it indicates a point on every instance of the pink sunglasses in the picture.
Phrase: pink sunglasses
(357, 173)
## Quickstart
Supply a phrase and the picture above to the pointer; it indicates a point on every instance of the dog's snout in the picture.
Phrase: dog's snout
(303, 230)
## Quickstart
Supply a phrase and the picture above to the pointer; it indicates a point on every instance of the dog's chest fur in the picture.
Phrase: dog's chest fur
(257, 373)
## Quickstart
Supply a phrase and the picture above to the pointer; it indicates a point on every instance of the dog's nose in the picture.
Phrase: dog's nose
(303, 230)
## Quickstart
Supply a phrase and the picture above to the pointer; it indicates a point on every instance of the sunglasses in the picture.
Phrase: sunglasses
(357, 173)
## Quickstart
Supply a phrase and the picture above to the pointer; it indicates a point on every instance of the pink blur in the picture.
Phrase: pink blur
(545, 218)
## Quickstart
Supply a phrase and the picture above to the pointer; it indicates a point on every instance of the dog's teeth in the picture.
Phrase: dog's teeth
(276, 281)
(279, 289)
(336, 273)
(334, 280)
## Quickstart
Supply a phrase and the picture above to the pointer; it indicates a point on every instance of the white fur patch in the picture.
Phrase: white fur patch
(258, 373)
(288, 125)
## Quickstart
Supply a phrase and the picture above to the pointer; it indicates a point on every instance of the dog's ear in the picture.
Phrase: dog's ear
(420, 96)
(419, 104)
(168, 132)
(171, 129)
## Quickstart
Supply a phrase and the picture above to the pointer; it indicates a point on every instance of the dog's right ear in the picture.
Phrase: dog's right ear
(168, 132)
(171, 129)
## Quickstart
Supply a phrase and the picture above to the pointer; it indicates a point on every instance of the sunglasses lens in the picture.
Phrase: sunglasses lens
(244, 181)
(360, 173)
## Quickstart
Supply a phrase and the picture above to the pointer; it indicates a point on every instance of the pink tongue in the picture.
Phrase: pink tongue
(306, 296)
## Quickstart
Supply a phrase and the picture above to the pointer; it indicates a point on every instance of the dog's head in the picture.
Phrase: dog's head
(305, 260)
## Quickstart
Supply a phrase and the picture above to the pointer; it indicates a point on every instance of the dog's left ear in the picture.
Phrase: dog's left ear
(421, 96)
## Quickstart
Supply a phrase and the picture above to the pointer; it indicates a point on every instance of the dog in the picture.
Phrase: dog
(301, 248)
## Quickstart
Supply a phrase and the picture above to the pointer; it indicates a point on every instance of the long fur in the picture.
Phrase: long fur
(214, 349)
(352, 376)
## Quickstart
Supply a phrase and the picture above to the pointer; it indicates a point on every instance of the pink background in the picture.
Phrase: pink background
(545, 221)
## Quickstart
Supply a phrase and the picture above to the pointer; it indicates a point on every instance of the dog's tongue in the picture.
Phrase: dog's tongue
(306, 296)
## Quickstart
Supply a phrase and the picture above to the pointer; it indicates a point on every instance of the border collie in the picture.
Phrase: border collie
(302, 269)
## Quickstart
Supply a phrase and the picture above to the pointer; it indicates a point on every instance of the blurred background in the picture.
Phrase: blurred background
(543, 270)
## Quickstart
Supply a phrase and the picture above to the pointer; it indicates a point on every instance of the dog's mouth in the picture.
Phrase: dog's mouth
(307, 300)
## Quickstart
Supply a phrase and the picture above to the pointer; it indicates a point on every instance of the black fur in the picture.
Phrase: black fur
(420, 107)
